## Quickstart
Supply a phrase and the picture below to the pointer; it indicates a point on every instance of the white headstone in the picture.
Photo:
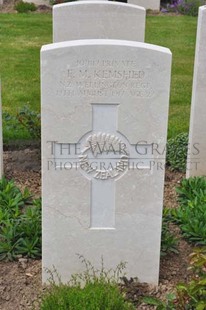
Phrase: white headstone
(98, 20)
(104, 104)
(147, 4)
(1, 138)
(196, 161)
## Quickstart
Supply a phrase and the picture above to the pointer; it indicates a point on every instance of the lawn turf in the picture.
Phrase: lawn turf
(22, 35)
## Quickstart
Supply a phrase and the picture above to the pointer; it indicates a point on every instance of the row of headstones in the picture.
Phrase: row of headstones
(113, 20)
(147, 4)
(101, 86)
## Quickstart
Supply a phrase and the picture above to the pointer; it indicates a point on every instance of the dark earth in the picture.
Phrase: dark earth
(20, 281)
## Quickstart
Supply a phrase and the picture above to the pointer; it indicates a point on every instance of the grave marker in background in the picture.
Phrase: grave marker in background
(104, 104)
(147, 4)
(98, 20)
(196, 161)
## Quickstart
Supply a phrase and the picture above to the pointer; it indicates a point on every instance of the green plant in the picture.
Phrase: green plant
(9, 121)
(168, 241)
(185, 7)
(24, 7)
(93, 289)
(198, 261)
(31, 121)
(8, 240)
(191, 214)
(192, 190)
(25, 120)
(20, 222)
(159, 304)
(189, 296)
(188, 7)
(177, 152)
(193, 294)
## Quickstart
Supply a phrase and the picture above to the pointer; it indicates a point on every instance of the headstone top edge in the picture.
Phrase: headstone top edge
(105, 42)
(97, 2)
(202, 8)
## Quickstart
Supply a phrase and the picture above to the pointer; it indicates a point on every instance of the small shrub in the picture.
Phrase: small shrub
(189, 7)
(31, 121)
(186, 7)
(20, 222)
(100, 291)
(191, 215)
(25, 7)
(190, 295)
(27, 120)
(168, 241)
(198, 261)
(159, 304)
(193, 294)
(192, 190)
(177, 152)
(10, 125)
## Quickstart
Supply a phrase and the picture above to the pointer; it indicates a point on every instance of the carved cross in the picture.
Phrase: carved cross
(104, 156)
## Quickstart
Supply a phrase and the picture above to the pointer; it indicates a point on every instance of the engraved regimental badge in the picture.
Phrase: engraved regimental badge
(104, 156)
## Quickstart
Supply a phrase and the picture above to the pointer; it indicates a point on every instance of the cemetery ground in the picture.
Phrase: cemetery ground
(21, 37)
(20, 281)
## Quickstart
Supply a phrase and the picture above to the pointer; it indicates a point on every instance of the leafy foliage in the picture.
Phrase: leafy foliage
(25, 7)
(20, 222)
(192, 189)
(177, 152)
(31, 121)
(188, 7)
(188, 296)
(185, 7)
(159, 304)
(168, 241)
(25, 119)
(193, 294)
(100, 291)
(191, 215)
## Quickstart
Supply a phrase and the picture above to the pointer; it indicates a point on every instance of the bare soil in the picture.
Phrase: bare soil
(20, 281)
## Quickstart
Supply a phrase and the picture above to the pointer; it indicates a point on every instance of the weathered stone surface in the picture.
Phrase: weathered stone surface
(98, 20)
(147, 4)
(196, 161)
(104, 104)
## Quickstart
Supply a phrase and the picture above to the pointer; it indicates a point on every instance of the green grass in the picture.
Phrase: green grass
(94, 296)
(22, 35)
(178, 33)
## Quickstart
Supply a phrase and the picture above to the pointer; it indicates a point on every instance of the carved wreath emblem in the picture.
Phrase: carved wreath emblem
(104, 156)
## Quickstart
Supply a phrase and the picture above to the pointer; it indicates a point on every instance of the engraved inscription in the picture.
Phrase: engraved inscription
(104, 78)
